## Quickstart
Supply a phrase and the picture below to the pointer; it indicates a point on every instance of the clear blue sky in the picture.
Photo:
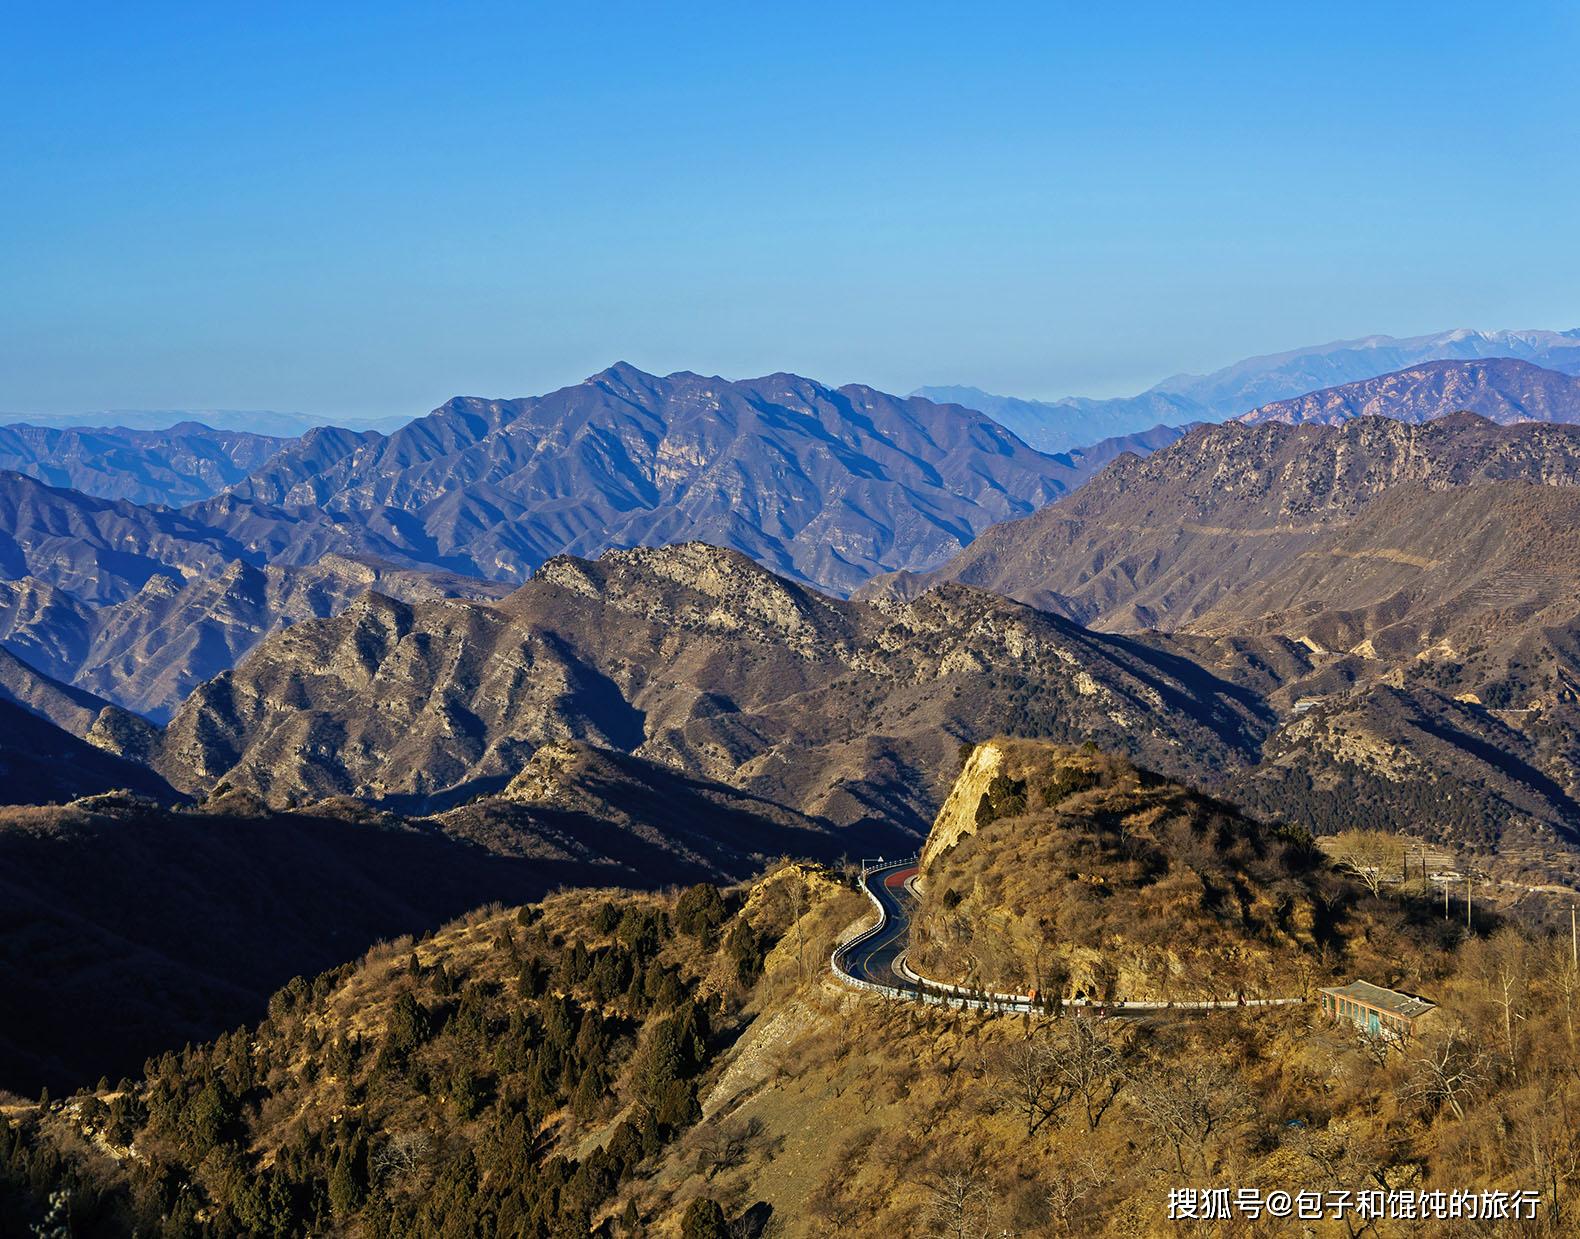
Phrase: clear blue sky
(365, 209)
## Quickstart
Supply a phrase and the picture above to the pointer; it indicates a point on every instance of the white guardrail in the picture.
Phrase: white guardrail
(925, 991)
(942, 993)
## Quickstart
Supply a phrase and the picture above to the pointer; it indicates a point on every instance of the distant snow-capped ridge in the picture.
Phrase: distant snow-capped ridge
(1256, 381)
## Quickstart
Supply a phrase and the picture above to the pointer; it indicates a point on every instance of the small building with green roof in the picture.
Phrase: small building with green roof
(1374, 1010)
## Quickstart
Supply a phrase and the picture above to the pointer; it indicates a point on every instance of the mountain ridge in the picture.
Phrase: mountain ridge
(1253, 382)
(826, 485)
(182, 464)
(690, 655)
(1503, 390)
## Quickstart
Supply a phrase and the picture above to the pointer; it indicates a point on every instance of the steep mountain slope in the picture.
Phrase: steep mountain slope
(1161, 542)
(99, 550)
(668, 1065)
(1256, 381)
(1428, 573)
(70, 709)
(42, 764)
(126, 929)
(1502, 390)
(185, 463)
(520, 1043)
(149, 652)
(820, 485)
(1077, 875)
(139, 604)
(699, 658)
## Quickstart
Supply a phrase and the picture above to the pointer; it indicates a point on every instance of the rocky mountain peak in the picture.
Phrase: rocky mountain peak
(1504, 390)
(697, 585)
(828, 487)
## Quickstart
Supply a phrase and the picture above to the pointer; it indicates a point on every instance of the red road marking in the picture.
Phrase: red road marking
(900, 876)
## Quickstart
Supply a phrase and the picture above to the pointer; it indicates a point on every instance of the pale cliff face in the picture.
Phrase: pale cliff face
(958, 817)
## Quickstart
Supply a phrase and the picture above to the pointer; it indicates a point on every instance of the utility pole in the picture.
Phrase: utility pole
(800, 932)
(1468, 880)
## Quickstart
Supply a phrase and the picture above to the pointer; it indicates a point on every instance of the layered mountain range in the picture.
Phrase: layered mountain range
(1256, 381)
(148, 651)
(1197, 530)
(249, 421)
(182, 464)
(1287, 607)
(696, 657)
(824, 486)
(1429, 571)
(380, 680)
(1502, 390)
(140, 601)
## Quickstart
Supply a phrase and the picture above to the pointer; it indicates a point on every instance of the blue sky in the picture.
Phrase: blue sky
(363, 210)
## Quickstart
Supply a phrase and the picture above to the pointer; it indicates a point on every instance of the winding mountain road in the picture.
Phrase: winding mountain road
(871, 956)
(874, 959)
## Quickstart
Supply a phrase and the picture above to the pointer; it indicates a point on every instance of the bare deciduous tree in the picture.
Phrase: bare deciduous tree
(401, 1157)
(1448, 1069)
(1563, 977)
(1375, 857)
(726, 1144)
(959, 1204)
(1383, 1044)
(1508, 967)
(1028, 1081)
(1189, 1106)
(1087, 1065)
(1067, 1187)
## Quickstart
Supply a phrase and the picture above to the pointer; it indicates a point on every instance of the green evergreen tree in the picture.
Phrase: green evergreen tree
(589, 1097)
(346, 1194)
(704, 1219)
(700, 910)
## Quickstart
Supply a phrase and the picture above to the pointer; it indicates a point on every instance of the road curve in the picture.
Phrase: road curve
(871, 956)
(875, 960)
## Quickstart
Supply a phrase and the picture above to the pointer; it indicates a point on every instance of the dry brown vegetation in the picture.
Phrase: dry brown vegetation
(865, 1116)
(1085, 876)
(815, 1110)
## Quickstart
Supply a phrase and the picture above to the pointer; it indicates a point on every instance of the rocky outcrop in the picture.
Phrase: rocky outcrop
(958, 817)
(1073, 874)
(695, 657)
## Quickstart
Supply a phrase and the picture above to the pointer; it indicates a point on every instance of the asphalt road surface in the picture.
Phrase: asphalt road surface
(873, 958)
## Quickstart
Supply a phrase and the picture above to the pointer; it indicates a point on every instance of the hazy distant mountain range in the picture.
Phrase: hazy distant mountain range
(1502, 390)
(1059, 424)
(255, 421)
(178, 465)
